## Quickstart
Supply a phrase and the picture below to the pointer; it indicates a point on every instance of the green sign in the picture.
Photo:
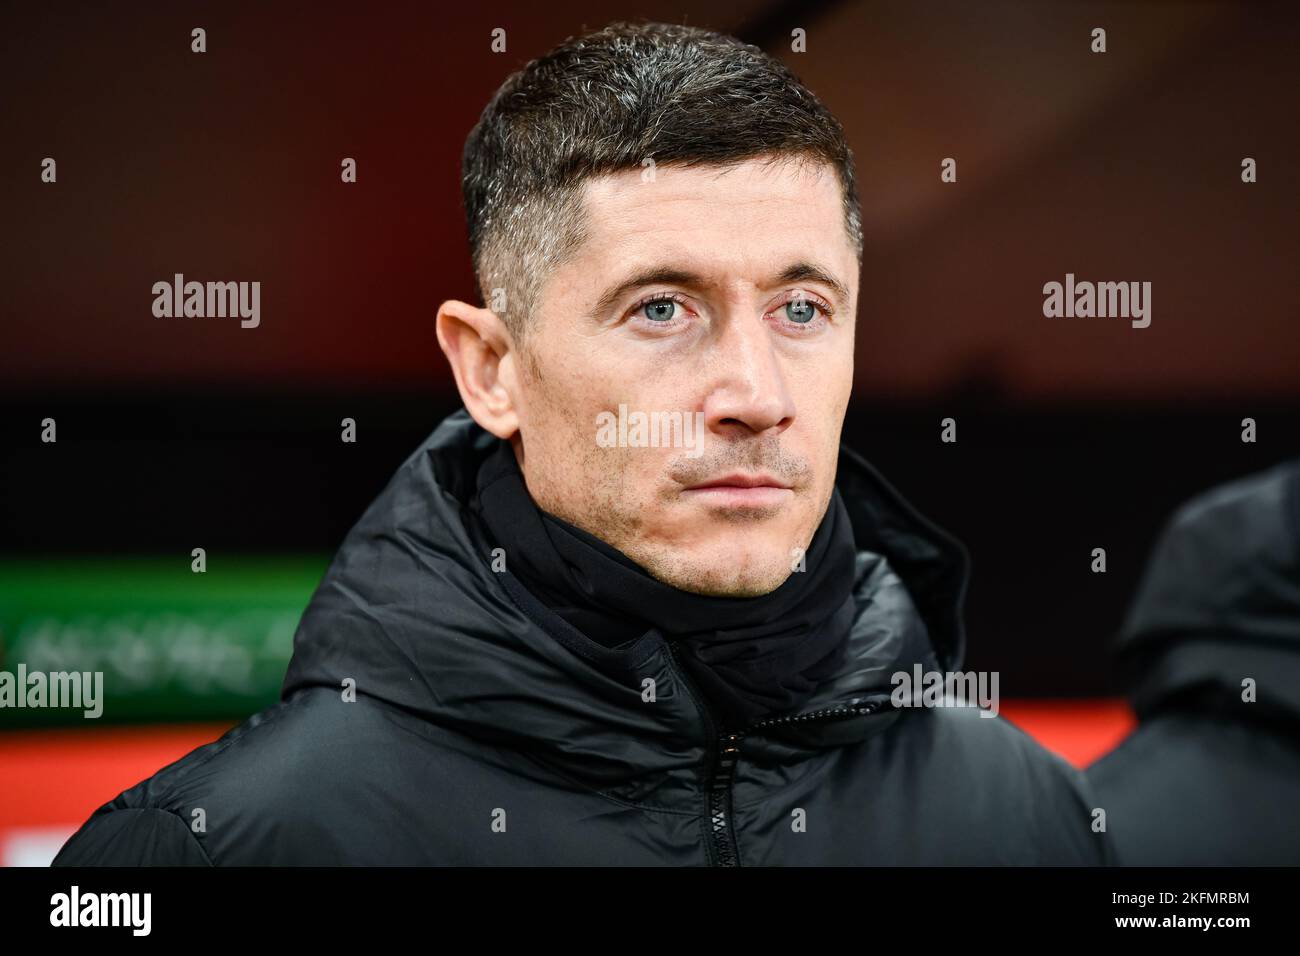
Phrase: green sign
(171, 644)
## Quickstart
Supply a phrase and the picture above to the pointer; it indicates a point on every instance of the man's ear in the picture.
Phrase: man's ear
(479, 348)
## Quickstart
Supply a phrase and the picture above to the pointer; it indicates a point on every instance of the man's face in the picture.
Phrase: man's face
(738, 327)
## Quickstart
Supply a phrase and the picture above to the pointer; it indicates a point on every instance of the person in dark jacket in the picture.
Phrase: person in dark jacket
(635, 603)
(1210, 657)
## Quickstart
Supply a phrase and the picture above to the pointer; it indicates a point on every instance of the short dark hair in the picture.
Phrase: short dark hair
(603, 103)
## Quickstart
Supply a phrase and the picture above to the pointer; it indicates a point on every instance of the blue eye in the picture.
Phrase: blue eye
(800, 311)
(660, 310)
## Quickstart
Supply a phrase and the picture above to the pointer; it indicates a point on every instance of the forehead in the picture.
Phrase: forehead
(749, 212)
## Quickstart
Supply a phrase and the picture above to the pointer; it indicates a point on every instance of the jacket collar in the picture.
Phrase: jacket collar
(412, 610)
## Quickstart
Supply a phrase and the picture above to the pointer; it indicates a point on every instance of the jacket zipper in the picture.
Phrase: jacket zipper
(726, 754)
(724, 834)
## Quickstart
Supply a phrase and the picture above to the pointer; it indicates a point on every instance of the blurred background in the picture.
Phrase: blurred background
(176, 434)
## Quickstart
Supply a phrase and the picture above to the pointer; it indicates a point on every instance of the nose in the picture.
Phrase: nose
(749, 395)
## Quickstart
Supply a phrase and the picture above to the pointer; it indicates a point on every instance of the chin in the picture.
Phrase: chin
(729, 571)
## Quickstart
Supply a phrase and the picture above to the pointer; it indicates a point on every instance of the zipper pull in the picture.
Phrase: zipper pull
(728, 754)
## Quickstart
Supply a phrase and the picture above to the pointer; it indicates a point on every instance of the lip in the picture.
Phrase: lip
(741, 491)
(740, 480)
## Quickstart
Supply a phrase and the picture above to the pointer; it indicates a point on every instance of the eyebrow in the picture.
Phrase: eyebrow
(669, 275)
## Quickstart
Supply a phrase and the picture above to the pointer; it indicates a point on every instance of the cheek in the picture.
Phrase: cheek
(822, 403)
(821, 393)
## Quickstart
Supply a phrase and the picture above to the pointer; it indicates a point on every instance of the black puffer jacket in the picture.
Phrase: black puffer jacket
(482, 734)
(1208, 778)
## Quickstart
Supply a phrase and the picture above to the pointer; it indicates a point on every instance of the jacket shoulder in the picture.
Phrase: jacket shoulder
(219, 803)
(133, 837)
(1002, 776)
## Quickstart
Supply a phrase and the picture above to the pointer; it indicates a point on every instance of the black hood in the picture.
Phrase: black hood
(411, 610)
(1220, 602)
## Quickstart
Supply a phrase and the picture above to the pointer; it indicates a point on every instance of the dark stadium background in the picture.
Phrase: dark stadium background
(182, 433)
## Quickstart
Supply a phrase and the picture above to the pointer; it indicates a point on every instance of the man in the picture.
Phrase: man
(1210, 655)
(633, 604)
